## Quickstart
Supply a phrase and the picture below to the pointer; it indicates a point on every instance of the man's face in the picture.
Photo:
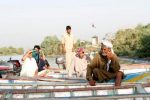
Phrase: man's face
(81, 54)
(69, 31)
(36, 49)
(105, 51)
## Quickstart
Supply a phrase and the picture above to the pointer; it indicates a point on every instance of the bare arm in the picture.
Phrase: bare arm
(26, 55)
(43, 55)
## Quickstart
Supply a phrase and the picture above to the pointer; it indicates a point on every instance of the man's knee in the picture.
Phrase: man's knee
(95, 70)
(119, 77)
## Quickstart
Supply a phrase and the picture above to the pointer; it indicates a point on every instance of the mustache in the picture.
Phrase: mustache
(104, 54)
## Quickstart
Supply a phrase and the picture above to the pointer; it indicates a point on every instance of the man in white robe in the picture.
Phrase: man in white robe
(29, 67)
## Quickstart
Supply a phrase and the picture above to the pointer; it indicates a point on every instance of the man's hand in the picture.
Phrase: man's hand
(109, 55)
(92, 83)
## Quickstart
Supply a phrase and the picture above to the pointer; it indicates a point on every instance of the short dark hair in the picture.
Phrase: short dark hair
(68, 27)
(37, 46)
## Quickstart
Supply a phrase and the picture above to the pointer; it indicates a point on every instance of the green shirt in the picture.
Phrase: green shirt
(35, 55)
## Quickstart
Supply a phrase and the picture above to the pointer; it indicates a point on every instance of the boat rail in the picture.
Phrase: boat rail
(85, 92)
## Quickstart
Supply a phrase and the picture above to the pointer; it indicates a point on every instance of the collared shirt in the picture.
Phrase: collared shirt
(108, 65)
(68, 40)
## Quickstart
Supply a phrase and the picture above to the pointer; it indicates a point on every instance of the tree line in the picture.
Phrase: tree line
(133, 42)
(128, 42)
(51, 45)
(11, 51)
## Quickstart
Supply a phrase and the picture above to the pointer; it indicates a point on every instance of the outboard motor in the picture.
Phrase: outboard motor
(6, 68)
(16, 65)
(60, 61)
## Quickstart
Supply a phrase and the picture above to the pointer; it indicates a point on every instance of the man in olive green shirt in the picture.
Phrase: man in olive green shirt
(104, 66)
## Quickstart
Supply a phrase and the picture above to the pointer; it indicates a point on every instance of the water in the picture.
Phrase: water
(51, 59)
(125, 60)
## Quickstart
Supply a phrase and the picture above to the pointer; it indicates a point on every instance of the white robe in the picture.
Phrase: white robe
(80, 66)
(29, 67)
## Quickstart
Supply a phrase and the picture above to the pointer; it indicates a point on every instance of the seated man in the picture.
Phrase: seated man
(104, 66)
(29, 67)
(80, 63)
(40, 58)
(43, 63)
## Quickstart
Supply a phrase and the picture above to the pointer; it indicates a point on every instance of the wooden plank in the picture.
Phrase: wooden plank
(15, 91)
(127, 97)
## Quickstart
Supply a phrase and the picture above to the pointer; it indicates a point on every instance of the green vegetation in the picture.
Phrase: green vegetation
(82, 43)
(128, 42)
(133, 42)
(11, 51)
(51, 45)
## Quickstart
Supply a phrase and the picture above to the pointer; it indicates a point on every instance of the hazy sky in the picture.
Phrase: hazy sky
(24, 23)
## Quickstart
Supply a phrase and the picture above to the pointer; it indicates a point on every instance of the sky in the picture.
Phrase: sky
(24, 23)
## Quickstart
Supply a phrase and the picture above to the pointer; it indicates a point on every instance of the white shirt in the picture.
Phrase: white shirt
(68, 40)
(80, 64)
(108, 65)
(29, 67)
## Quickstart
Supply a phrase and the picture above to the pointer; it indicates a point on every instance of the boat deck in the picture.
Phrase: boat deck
(135, 86)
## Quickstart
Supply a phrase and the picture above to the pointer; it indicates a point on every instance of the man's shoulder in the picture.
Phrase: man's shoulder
(97, 55)
(115, 57)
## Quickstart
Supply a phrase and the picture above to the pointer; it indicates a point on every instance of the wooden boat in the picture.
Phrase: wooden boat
(136, 85)
(74, 91)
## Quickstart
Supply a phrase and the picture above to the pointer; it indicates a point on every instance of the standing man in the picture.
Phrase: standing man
(68, 45)
(104, 66)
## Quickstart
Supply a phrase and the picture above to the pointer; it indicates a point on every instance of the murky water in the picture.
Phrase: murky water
(51, 59)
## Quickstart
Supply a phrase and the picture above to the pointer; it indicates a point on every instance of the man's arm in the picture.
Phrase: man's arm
(63, 48)
(63, 44)
(26, 55)
(74, 47)
(89, 73)
(114, 61)
(115, 64)
(91, 66)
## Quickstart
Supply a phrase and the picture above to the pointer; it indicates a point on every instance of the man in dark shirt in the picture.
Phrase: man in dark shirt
(104, 66)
